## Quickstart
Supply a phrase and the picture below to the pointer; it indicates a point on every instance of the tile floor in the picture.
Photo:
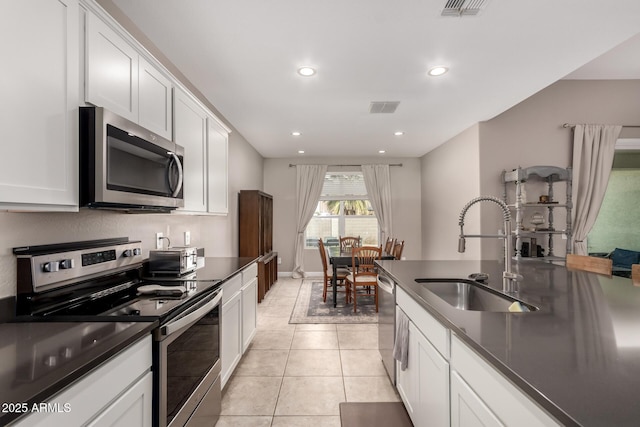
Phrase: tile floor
(296, 375)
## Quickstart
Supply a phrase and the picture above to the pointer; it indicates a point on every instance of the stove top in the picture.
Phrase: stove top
(102, 286)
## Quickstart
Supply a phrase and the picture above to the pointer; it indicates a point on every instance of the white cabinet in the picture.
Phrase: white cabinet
(39, 105)
(231, 340)
(249, 306)
(467, 409)
(154, 100)
(489, 396)
(116, 393)
(424, 385)
(190, 131)
(218, 170)
(239, 316)
(111, 70)
(121, 80)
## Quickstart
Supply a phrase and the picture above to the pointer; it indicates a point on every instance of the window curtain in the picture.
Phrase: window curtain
(378, 183)
(309, 182)
(593, 150)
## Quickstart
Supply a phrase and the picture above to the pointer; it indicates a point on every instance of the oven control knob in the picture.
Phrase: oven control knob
(65, 264)
(127, 253)
(50, 267)
(137, 251)
(66, 352)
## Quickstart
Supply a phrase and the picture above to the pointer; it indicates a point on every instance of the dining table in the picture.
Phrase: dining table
(339, 257)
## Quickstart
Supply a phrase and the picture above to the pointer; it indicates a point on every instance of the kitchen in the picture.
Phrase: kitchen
(420, 186)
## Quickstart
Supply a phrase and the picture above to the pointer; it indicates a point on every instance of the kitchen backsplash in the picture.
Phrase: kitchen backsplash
(214, 233)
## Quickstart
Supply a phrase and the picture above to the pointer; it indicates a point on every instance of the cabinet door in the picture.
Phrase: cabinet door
(431, 376)
(39, 105)
(231, 335)
(218, 172)
(189, 130)
(154, 100)
(467, 410)
(111, 70)
(249, 312)
(133, 408)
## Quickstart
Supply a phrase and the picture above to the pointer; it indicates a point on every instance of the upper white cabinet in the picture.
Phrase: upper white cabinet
(121, 80)
(154, 99)
(218, 172)
(39, 105)
(190, 131)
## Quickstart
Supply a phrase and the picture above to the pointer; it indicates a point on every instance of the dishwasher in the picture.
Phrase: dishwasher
(387, 323)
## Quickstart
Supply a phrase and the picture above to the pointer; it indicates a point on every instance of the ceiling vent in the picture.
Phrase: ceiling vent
(383, 107)
(463, 7)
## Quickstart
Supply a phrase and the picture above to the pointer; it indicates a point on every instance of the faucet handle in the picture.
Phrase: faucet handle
(479, 277)
(512, 276)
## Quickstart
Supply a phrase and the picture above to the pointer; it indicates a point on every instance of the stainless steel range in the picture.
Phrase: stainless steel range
(102, 280)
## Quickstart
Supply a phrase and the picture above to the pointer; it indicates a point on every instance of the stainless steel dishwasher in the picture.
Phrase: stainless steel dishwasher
(387, 323)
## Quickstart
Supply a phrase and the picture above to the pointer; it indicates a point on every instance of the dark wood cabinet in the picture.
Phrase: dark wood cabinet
(256, 236)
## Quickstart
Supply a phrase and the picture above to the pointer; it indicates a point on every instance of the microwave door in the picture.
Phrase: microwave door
(140, 172)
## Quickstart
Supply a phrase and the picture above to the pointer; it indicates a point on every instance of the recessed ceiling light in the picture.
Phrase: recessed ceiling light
(296, 133)
(306, 71)
(398, 133)
(381, 151)
(437, 71)
(300, 151)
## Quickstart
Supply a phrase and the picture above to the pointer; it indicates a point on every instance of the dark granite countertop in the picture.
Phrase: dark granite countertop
(578, 356)
(222, 268)
(40, 359)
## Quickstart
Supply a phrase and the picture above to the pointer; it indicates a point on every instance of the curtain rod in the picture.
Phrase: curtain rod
(571, 125)
(291, 165)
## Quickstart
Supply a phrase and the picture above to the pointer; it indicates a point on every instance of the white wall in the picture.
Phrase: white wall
(280, 182)
(450, 178)
(528, 134)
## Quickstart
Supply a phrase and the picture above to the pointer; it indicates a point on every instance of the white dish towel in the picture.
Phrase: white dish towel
(401, 347)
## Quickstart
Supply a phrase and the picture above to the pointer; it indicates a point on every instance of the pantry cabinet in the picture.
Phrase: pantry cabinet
(39, 103)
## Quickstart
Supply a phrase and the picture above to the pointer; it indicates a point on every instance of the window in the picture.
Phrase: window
(343, 210)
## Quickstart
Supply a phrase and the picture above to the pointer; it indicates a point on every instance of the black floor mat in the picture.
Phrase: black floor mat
(374, 414)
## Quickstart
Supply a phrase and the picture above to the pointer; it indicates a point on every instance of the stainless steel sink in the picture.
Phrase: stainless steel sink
(470, 295)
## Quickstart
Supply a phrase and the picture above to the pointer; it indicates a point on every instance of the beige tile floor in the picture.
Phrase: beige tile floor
(296, 375)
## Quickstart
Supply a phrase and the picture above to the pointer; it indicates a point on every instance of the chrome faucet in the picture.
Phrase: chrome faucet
(509, 278)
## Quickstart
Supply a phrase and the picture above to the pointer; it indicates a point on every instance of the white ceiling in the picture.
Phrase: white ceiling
(243, 55)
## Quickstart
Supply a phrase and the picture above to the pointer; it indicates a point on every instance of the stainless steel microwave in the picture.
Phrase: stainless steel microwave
(124, 166)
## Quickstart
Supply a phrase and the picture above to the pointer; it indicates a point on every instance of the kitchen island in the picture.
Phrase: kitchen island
(577, 357)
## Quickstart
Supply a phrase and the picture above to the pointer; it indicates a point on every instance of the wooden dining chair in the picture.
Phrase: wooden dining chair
(389, 245)
(347, 243)
(635, 274)
(397, 250)
(363, 272)
(341, 274)
(591, 264)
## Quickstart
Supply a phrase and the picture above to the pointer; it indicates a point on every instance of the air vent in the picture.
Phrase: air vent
(383, 107)
(463, 7)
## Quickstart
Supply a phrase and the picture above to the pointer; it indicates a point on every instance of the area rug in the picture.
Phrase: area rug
(310, 308)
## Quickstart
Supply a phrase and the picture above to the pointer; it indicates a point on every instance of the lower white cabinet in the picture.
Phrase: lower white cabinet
(489, 395)
(239, 318)
(249, 312)
(116, 393)
(467, 409)
(231, 340)
(424, 385)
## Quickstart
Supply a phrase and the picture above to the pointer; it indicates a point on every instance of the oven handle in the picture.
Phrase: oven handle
(192, 317)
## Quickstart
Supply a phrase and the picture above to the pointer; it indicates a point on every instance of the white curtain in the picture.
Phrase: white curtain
(593, 151)
(378, 183)
(310, 179)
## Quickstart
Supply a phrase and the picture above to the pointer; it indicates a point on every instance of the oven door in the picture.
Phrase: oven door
(187, 366)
